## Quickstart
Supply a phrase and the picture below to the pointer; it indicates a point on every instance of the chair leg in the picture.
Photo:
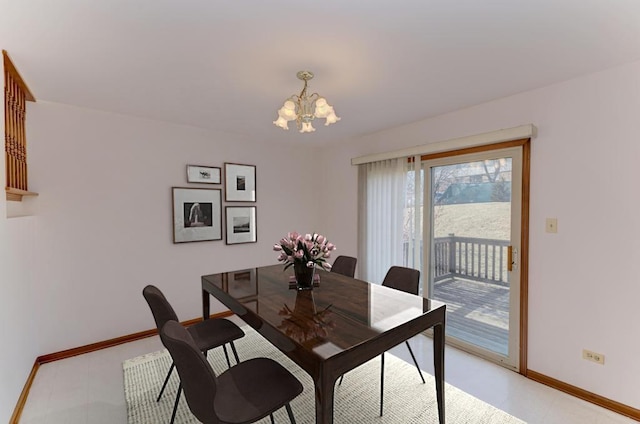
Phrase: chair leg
(175, 404)
(271, 418)
(235, 352)
(381, 383)
(415, 362)
(226, 355)
(166, 380)
(290, 412)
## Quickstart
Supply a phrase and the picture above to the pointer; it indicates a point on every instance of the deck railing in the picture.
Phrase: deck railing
(471, 258)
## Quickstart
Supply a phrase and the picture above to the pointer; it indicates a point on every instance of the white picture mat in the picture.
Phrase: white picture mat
(232, 171)
(248, 212)
(185, 195)
(194, 174)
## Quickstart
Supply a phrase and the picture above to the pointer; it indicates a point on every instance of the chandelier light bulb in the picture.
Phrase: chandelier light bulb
(289, 110)
(332, 118)
(286, 114)
(322, 108)
(282, 123)
(307, 127)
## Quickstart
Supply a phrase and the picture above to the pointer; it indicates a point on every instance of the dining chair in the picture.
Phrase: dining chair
(406, 280)
(207, 334)
(244, 393)
(345, 265)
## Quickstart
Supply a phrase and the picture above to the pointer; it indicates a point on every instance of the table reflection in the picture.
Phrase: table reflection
(305, 322)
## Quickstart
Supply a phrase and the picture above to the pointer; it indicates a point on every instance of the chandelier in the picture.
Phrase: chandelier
(305, 108)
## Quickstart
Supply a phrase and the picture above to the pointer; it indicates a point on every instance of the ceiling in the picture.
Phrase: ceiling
(228, 65)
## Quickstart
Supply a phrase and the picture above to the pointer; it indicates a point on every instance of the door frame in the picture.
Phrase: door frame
(523, 255)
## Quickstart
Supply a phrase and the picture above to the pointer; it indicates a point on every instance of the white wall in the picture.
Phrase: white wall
(103, 218)
(583, 286)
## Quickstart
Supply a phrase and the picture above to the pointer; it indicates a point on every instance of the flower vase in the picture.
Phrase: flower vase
(304, 276)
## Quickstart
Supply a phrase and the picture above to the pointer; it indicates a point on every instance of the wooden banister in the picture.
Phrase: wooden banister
(16, 94)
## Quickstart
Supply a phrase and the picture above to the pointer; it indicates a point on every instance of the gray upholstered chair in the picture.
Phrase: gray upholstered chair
(345, 265)
(406, 280)
(244, 393)
(207, 334)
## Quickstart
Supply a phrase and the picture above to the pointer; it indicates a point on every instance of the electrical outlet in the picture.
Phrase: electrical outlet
(552, 225)
(598, 358)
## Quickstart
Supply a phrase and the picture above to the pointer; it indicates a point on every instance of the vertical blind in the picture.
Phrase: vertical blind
(390, 216)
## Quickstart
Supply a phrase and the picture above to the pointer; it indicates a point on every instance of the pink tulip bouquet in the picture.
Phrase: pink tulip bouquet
(310, 250)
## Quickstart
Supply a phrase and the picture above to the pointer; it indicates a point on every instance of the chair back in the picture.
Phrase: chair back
(404, 279)
(196, 375)
(160, 307)
(345, 265)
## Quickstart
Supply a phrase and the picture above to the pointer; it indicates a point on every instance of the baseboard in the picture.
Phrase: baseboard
(22, 400)
(63, 354)
(614, 406)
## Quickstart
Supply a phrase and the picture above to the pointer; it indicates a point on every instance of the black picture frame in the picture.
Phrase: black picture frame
(197, 214)
(241, 224)
(240, 182)
(204, 174)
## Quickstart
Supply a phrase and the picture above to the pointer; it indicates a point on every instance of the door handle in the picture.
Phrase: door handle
(511, 257)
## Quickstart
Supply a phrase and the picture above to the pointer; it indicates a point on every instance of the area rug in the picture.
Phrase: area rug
(406, 399)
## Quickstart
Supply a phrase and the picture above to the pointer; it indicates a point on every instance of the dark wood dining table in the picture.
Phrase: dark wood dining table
(340, 324)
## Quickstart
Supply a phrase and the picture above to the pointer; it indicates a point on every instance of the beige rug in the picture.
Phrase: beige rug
(406, 399)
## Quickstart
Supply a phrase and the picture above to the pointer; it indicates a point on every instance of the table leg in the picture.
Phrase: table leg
(324, 400)
(205, 305)
(438, 362)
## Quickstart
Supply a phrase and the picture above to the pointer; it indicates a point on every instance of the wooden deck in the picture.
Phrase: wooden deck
(477, 312)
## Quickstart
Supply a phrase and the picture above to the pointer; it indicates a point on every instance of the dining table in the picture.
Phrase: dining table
(339, 324)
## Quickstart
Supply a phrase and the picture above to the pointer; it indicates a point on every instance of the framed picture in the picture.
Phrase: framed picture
(241, 224)
(197, 214)
(240, 182)
(203, 174)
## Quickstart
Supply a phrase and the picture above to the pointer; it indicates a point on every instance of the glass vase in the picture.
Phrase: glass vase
(304, 276)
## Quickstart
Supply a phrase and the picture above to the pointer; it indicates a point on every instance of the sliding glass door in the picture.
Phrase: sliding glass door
(472, 216)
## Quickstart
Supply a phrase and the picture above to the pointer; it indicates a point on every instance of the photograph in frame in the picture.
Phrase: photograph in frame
(241, 224)
(204, 174)
(240, 182)
(197, 214)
